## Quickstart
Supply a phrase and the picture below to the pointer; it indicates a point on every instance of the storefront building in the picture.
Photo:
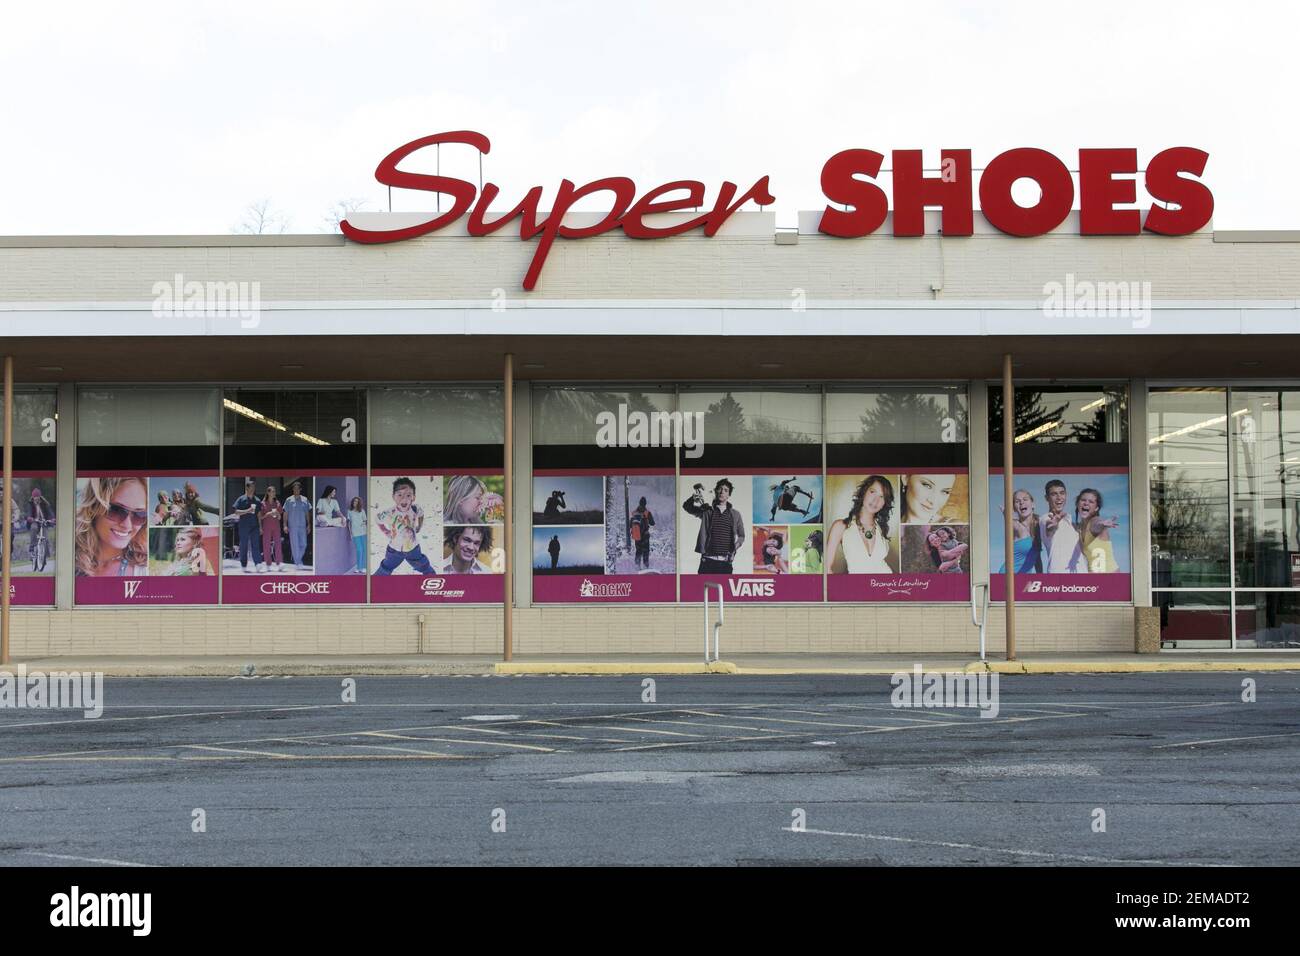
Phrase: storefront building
(296, 444)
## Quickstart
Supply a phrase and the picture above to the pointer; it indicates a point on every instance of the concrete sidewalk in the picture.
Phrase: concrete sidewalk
(667, 664)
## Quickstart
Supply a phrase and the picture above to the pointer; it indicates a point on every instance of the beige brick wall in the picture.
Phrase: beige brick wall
(685, 267)
(558, 630)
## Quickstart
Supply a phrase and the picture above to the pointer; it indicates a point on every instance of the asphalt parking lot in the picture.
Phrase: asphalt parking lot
(716, 770)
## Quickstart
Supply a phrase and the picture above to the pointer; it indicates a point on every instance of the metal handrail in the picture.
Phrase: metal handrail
(717, 625)
(980, 620)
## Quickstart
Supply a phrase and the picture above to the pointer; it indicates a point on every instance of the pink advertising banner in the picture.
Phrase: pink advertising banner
(1065, 587)
(755, 588)
(436, 538)
(605, 588)
(31, 592)
(150, 538)
(297, 589)
(1070, 535)
(604, 537)
(898, 535)
(440, 589)
(898, 588)
(147, 590)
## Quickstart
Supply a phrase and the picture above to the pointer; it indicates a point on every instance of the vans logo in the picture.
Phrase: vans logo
(752, 587)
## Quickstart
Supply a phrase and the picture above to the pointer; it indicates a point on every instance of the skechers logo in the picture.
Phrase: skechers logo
(437, 587)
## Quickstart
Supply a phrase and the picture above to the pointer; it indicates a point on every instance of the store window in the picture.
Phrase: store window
(751, 495)
(437, 496)
(148, 518)
(897, 525)
(294, 496)
(1071, 522)
(603, 497)
(1225, 468)
(31, 507)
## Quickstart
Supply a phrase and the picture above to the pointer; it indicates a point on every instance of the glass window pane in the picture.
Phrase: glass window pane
(1268, 619)
(295, 417)
(773, 416)
(1187, 454)
(1266, 480)
(436, 416)
(920, 415)
(1195, 619)
(152, 417)
(34, 411)
(1060, 414)
(576, 416)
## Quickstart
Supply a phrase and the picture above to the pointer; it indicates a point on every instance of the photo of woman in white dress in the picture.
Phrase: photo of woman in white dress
(859, 543)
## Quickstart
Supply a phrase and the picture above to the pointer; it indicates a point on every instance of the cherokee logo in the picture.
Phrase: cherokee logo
(296, 587)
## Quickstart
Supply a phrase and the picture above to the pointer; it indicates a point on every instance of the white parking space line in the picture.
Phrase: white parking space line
(1032, 854)
(1222, 740)
(84, 859)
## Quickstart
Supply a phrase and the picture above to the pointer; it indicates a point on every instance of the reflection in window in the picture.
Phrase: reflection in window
(1268, 619)
(771, 416)
(33, 417)
(1187, 456)
(437, 416)
(1048, 415)
(295, 416)
(1198, 619)
(1266, 472)
(896, 416)
(572, 416)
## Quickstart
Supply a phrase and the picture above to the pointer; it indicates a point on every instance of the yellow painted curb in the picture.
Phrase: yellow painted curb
(610, 667)
(1132, 667)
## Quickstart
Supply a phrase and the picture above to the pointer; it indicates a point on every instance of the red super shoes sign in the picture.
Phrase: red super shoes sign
(1171, 177)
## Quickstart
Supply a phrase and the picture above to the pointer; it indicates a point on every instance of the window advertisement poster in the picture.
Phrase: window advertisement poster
(895, 535)
(758, 535)
(435, 538)
(147, 538)
(287, 539)
(601, 537)
(31, 539)
(1071, 535)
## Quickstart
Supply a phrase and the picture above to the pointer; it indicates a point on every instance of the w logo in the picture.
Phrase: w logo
(130, 587)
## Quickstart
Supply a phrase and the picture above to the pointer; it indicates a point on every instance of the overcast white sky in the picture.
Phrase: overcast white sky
(172, 117)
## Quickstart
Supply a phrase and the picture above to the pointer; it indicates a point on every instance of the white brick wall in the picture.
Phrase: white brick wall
(559, 630)
(684, 267)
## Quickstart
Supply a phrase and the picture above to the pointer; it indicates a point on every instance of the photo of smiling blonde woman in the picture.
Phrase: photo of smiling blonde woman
(189, 556)
(933, 499)
(1026, 542)
(112, 527)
